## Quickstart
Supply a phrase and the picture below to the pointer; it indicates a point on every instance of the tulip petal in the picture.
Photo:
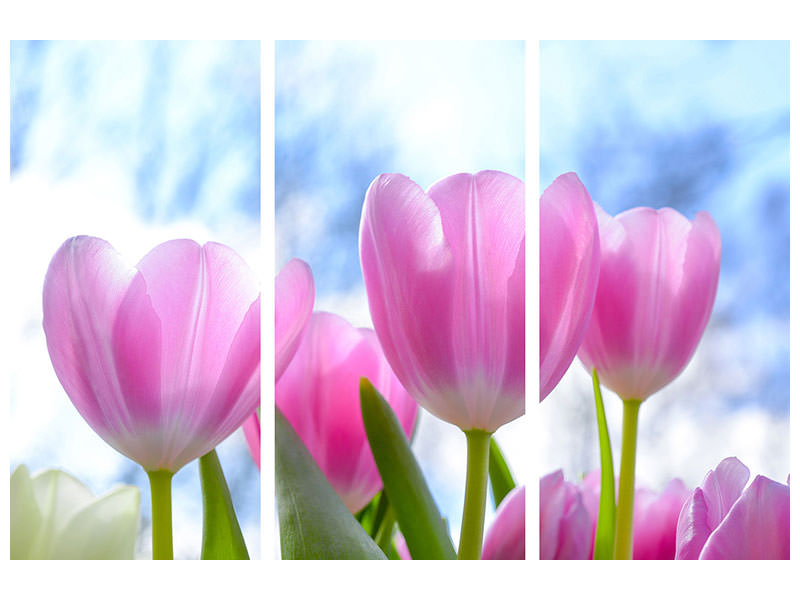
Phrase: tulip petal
(655, 520)
(406, 264)
(201, 294)
(569, 266)
(757, 526)
(25, 514)
(84, 286)
(505, 539)
(105, 529)
(294, 299)
(707, 506)
(565, 528)
(252, 435)
(238, 388)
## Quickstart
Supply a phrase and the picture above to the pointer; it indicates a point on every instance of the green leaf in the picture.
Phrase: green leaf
(416, 512)
(222, 537)
(314, 522)
(499, 474)
(607, 515)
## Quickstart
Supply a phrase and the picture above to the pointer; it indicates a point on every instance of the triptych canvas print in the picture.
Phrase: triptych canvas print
(357, 219)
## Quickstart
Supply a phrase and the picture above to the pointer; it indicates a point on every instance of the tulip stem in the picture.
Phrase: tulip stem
(623, 542)
(161, 496)
(386, 531)
(471, 541)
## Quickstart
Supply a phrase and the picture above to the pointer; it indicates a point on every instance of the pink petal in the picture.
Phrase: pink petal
(505, 539)
(319, 395)
(238, 390)
(84, 286)
(401, 546)
(655, 520)
(294, 299)
(565, 528)
(252, 434)
(707, 507)
(757, 526)
(569, 266)
(444, 273)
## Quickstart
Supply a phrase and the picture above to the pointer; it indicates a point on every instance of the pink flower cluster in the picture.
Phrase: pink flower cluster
(718, 520)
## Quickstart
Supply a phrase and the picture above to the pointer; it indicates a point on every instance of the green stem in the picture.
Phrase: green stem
(623, 542)
(161, 496)
(386, 531)
(469, 546)
(607, 509)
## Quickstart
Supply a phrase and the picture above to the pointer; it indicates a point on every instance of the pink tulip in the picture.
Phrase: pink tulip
(658, 279)
(505, 539)
(445, 279)
(319, 395)
(565, 526)
(718, 521)
(569, 265)
(162, 360)
(294, 299)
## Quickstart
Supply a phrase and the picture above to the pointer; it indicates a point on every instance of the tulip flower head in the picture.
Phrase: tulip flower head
(569, 265)
(162, 360)
(319, 394)
(505, 539)
(445, 277)
(721, 521)
(658, 278)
